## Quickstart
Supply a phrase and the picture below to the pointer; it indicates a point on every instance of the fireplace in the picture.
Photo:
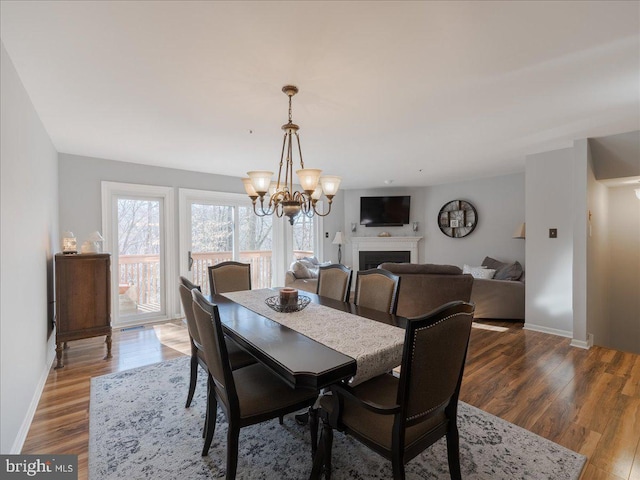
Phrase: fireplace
(386, 247)
(371, 259)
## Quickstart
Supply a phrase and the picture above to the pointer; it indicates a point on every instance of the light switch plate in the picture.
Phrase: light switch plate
(553, 233)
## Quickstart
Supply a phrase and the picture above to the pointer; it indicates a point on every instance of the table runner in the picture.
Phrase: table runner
(376, 347)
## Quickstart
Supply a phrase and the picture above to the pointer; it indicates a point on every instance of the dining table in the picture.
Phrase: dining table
(327, 342)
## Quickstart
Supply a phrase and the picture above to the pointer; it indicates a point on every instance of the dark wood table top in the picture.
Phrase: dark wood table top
(297, 359)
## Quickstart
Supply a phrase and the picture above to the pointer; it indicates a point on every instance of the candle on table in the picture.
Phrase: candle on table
(288, 296)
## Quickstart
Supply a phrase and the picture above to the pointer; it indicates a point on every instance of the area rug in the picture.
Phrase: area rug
(140, 429)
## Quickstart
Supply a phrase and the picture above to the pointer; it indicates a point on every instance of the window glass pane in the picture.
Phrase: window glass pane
(255, 237)
(303, 237)
(211, 239)
(139, 282)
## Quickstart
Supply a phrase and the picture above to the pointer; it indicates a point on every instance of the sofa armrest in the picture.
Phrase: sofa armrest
(289, 278)
(499, 299)
(306, 284)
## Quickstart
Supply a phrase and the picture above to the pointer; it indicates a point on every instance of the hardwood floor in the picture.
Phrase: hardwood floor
(586, 400)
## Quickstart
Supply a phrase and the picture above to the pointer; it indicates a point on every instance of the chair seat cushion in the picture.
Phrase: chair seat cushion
(374, 427)
(261, 391)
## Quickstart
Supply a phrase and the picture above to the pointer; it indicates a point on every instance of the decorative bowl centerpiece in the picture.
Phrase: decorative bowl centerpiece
(287, 301)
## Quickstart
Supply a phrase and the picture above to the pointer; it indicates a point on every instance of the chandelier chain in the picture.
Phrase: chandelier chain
(280, 199)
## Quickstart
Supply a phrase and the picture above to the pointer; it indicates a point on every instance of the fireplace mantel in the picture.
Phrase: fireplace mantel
(381, 244)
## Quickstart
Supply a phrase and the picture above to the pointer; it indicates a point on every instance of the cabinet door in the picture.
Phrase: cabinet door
(82, 286)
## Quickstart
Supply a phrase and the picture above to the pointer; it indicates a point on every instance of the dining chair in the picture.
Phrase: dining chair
(229, 277)
(334, 281)
(377, 289)
(400, 417)
(248, 395)
(237, 355)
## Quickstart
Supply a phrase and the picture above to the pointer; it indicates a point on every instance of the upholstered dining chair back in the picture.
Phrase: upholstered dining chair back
(215, 349)
(400, 418)
(433, 361)
(248, 395)
(334, 281)
(185, 289)
(189, 284)
(197, 355)
(229, 277)
(377, 289)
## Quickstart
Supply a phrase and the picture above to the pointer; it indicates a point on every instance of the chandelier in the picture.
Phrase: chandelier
(282, 199)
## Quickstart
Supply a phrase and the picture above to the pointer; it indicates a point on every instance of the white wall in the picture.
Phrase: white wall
(29, 237)
(549, 204)
(624, 270)
(616, 156)
(598, 260)
(579, 182)
(499, 202)
(352, 215)
(80, 197)
(80, 187)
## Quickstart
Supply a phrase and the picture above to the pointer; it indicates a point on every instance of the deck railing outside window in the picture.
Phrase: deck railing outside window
(139, 275)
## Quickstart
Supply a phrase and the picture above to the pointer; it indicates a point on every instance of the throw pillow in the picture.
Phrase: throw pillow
(300, 270)
(504, 271)
(312, 260)
(513, 271)
(485, 273)
(479, 272)
(493, 263)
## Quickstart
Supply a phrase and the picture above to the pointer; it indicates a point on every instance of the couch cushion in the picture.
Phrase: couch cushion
(504, 271)
(402, 268)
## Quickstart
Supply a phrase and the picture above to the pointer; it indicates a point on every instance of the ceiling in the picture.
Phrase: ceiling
(419, 93)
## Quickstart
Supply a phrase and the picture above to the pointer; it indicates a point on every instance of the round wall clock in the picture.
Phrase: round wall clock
(457, 218)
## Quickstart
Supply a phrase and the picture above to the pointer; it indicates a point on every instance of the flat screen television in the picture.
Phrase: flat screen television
(384, 211)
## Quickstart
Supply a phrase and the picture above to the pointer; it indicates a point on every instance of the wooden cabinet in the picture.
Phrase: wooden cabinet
(83, 299)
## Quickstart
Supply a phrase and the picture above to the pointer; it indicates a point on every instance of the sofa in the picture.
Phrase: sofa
(303, 274)
(306, 284)
(498, 299)
(425, 287)
(498, 289)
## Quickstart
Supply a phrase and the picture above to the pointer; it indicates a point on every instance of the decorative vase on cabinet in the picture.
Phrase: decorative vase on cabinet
(83, 299)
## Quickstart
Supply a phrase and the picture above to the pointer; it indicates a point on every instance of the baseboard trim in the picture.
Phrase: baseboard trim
(585, 344)
(26, 424)
(543, 329)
